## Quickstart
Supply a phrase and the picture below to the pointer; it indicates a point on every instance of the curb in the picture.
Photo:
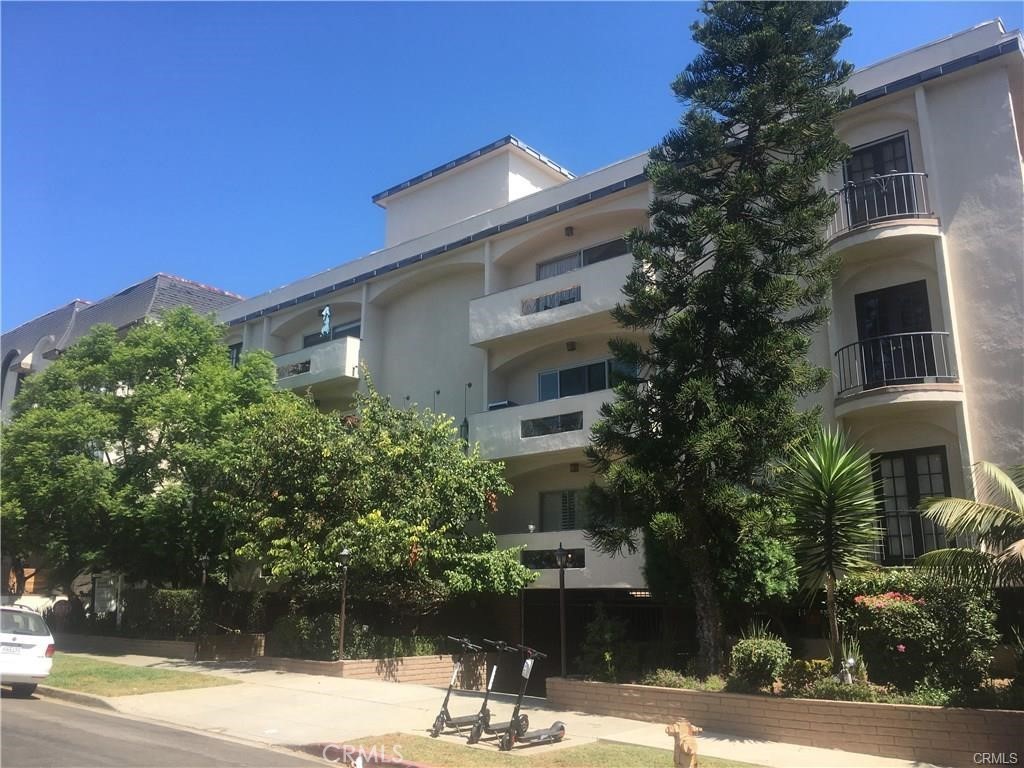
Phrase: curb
(85, 699)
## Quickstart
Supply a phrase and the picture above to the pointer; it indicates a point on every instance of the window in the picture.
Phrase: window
(562, 511)
(905, 478)
(547, 559)
(352, 330)
(581, 379)
(893, 326)
(18, 622)
(871, 195)
(235, 354)
(585, 257)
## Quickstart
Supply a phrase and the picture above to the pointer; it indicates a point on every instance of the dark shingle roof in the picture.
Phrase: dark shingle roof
(53, 324)
(148, 298)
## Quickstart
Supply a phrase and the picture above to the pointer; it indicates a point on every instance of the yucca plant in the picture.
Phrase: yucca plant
(999, 530)
(830, 488)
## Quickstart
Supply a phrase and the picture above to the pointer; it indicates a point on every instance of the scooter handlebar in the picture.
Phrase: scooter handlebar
(501, 645)
(466, 644)
(532, 653)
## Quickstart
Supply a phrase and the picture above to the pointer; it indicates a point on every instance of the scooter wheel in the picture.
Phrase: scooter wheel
(505, 743)
(474, 734)
(561, 731)
(438, 726)
(523, 725)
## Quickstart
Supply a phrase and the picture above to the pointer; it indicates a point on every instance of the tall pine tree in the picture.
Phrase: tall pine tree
(729, 282)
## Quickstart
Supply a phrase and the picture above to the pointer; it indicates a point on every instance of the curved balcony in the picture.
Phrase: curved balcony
(328, 369)
(895, 359)
(881, 208)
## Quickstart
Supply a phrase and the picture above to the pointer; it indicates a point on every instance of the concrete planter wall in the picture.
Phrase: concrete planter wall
(229, 647)
(426, 670)
(125, 646)
(952, 737)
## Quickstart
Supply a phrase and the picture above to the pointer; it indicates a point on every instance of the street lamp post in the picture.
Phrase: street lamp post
(204, 563)
(562, 558)
(343, 559)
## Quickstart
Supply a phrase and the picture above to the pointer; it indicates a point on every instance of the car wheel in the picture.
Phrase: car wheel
(23, 690)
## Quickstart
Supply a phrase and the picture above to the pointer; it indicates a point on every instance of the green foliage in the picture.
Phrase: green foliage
(830, 688)
(996, 522)
(606, 653)
(392, 485)
(757, 661)
(114, 453)
(316, 637)
(913, 626)
(800, 674)
(726, 289)
(162, 614)
(303, 637)
(670, 678)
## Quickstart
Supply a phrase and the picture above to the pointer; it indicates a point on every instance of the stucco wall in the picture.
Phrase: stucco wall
(979, 195)
(421, 344)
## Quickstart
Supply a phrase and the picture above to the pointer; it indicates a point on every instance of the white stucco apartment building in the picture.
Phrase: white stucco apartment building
(490, 301)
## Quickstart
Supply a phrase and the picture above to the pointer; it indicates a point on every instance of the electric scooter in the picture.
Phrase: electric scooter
(511, 737)
(444, 718)
(484, 724)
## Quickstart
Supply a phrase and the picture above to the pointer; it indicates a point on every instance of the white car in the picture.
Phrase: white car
(26, 649)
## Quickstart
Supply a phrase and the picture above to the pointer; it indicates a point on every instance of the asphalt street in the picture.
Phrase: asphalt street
(35, 734)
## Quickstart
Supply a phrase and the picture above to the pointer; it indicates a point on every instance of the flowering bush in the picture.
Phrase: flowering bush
(881, 602)
(912, 627)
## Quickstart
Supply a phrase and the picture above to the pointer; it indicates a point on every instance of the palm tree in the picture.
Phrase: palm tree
(830, 488)
(999, 558)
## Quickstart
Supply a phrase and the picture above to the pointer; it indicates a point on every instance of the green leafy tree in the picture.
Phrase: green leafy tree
(831, 491)
(729, 284)
(392, 485)
(114, 451)
(997, 524)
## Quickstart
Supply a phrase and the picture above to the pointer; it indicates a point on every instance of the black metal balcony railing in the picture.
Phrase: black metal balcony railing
(889, 196)
(899, 358)
(551, 425)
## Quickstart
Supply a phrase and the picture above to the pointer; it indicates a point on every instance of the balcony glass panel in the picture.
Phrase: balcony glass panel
(552, 425)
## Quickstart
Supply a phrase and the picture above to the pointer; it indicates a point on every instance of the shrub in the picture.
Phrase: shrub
(757, 660)
(303, 637)
(606, 655)
(913, 626)
(162, 614)
(800, 673)
(832, 689)
(670, 678)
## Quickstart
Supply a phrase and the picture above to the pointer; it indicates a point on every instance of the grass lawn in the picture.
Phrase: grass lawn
(106, 679)
(444, 754)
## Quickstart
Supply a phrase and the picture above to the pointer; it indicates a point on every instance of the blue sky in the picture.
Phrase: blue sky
(239, 144)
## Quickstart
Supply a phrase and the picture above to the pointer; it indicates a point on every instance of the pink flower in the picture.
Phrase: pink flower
(901, 648)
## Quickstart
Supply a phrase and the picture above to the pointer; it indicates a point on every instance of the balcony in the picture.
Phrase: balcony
(899, 366)
(324, 366)
(543, 427)
(600, 571)
(570, 297)
(893, 205)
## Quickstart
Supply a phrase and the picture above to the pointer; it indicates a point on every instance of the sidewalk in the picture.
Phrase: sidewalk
(289, 709)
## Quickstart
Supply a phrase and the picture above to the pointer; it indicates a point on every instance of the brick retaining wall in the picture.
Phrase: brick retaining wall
(124, 646)
(946, 736)
(426, 670)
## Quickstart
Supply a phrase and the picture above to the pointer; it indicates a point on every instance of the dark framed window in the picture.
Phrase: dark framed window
(890, 324)
(235, 354)
(563, 511)
(905, 479)
(582, 258)
(547, 559)
(870, 194)
(351, 330)
(581, 379)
